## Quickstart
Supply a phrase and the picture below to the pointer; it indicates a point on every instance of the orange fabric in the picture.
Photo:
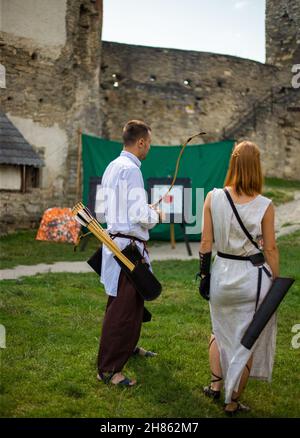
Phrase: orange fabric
(58, 225)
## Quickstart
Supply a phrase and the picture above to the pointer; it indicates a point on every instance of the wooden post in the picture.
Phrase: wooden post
(78, 173)
(172, 235)
(23, 183)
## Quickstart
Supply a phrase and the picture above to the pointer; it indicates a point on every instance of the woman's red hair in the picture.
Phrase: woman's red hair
(244, 172)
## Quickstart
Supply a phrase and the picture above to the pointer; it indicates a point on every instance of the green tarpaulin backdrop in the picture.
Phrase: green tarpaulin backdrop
(206, 166)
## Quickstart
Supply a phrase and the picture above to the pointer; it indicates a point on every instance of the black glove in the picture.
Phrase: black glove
(204, 274)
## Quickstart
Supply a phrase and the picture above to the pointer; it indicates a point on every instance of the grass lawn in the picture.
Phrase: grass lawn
(21, 248)
(53, 323)
(280, 190)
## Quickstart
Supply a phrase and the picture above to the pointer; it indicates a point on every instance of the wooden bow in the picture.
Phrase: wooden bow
(183, 146)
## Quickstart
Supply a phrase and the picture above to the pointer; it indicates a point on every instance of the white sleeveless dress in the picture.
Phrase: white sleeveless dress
(233, 292)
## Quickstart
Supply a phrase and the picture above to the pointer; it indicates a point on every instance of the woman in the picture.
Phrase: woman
(234, 282)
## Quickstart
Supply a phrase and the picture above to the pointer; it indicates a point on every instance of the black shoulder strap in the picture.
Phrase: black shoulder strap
(240, 220)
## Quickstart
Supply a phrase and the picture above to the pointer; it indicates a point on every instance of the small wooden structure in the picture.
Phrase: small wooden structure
(19, 162)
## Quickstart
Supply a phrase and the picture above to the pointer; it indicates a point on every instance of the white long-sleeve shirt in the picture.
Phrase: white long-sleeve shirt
(126, 211)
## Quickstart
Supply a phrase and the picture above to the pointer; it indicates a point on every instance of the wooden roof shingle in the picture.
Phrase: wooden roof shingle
(14, 149)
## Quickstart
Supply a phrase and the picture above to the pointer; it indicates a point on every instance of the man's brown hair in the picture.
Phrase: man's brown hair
(134, 130)
(244, 172)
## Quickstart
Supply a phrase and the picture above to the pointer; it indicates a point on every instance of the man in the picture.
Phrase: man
(128, 217)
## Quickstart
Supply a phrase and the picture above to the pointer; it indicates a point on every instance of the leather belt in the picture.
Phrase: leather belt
(232, 256)
(126, 236)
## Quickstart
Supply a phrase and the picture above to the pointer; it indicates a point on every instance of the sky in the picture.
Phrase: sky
(231, 27)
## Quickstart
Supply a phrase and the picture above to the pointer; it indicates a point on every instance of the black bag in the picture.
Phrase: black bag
(257, 259)
(95, 261)
(147, 316)
(141, 277)
(268, 307)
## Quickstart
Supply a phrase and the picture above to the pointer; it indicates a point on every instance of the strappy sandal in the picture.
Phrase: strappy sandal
(240, 407)
(106, 378)
(209, 392)
(137, 351)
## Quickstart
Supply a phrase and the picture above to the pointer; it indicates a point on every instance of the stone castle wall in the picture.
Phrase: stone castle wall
(276, 128)
(283, 33)
(179, 93)
(52, 89)
(176, 91)
(24, 210)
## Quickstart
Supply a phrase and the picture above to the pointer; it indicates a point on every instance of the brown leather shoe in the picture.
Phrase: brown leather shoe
(234, 407)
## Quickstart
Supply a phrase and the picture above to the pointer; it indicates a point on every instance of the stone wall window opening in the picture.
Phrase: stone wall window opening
(187, 83)
(116, 79)
(286, 12)
(83, 10)
(116, 76)
(32, 178)
(18, 178)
